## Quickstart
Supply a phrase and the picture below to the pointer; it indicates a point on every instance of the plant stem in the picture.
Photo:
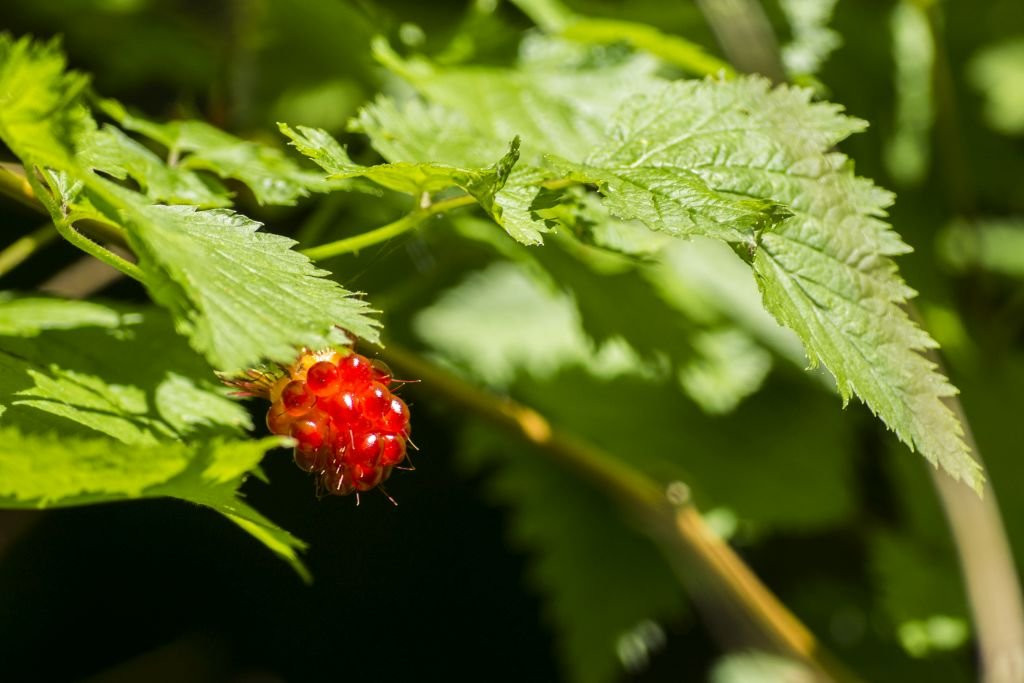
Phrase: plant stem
(386, 232)
(68, 232)
(989, 572)
(22, 248)
(745, 36)
(670, 517)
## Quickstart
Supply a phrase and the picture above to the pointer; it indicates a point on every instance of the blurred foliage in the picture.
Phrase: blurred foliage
(661, 355)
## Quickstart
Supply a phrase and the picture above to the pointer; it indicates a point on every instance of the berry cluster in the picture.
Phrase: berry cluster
(351, 430)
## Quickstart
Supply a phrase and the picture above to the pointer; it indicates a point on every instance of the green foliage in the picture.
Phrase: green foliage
(266, 171)
(242, 297)
(688, 56)
(415, 179)
(568, 526)
(907, 154)
(721, 159)
(639, 204)
(108, 150)
(812, 41)
(997, 72)
(101, 404)
(996, 246)
(39, 99)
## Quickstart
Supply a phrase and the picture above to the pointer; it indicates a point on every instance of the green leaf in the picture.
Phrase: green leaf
(272, 177)
(240, 295)
(110, 151)
(83, 368)
(908, 152)
(746, 163)
(675, 152)
(812, 41)
(997, 71)
(411, 178)
(674, 50)
(100, 403)
(728, 367)
(993, 245)
(557, 101)
(47, 470)
(582, 548)
(40, 113)
(417, 132)
(827, 274)
(499, 321)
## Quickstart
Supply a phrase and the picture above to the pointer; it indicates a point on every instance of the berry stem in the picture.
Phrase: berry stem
(670, 517)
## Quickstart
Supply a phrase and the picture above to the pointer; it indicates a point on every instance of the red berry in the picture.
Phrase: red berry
(376, 402)
(322, 378)
(311, 432)
(354, 370)
(392, 451)
(350, 430)
(296, 398)
(364, 450)
(396, 419)
(365, 477)
(346, 409)
(278, 420)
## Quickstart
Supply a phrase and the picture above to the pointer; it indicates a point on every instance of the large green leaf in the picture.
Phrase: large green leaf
(99, 404)
(272, 177)
(698, 157)
(242, 296)
(40, 111)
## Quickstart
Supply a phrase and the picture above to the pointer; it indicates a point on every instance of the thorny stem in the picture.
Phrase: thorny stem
(22, 248)
(670, 518)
